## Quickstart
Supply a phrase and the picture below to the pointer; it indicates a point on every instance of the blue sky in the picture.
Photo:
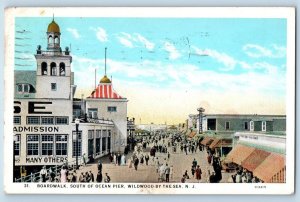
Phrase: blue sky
(185, 61)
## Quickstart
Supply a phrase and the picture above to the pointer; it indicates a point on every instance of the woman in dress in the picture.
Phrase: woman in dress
(63, 174)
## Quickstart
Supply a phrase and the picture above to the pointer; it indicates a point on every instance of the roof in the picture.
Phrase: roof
(271, 166)
(239, 154)
(53, 27)
(255, 159)
(192, 134)
(207, 141)
(220, 143)
(105, 79)
(25, 77)
(244, 116)
(105, 91)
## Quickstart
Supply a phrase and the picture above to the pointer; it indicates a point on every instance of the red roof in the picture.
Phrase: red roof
(105, 91)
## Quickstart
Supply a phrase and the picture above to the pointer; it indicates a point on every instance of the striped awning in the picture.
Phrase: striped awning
(255, 159)
(207, 141)
(217, 143)
(105, 91)
(192, 134)
(272, 169)
(239, 153)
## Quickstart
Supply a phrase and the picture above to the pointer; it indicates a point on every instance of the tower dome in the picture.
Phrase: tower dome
(53, 27)
(105, 79)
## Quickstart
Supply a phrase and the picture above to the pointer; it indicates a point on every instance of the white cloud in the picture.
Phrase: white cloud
(74, 32)
(127, 43)
(101, 34)
(148, 45)
(257, 51)
(171, 49)
(228, 61)
(135, 40)
(185, 75)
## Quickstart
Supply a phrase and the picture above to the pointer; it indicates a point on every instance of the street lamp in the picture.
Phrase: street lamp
(77, 121)
(200, 110)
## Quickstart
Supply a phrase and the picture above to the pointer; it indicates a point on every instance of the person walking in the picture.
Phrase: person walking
(74, 178)
(99, 177)
(136, 163)
(147, 158)
(119, 159)
(63, 174)
(167, 172)
(198, 173)
(43, 174)
(83, 159)
(99, 166)
(92, 176)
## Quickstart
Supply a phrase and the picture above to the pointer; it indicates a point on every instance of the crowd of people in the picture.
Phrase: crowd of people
(156, 151)
(244, 176)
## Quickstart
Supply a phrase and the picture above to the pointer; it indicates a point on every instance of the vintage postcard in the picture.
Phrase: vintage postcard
(149, 100)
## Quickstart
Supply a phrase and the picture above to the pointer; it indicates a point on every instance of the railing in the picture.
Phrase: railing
(36, 177)
(52, 53)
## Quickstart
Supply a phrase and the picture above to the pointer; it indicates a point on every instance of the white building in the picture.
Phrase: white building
(44, 109)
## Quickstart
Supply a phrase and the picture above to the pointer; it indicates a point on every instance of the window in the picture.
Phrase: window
(26, 88)
(17, 120)
(20, 88)
(93, 113)
(47, 120)
(33, 120)
(53, 69)
(44, 68)
(61, 145)
(246, 125)
(103, 144)
(211, 124)
(62, 69)
(47, 145)
(62, 120)
(23, 88)
(98, 140)
(50, 39)
(252, 125)
(17, 145)
(227, 125)
(32, 145)
(90, 134)
(56, 40)
(53, 86)
(76, 146)
(111, 109)
(263, 126)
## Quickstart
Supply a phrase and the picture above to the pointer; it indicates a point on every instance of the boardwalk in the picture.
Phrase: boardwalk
(180, 161)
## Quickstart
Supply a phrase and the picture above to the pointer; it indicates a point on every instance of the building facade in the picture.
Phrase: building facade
(45, 110)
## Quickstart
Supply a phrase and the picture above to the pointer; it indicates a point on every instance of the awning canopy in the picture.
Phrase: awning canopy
(207, 141)
(255, 159)
(239, 153)
(272, 169)
(192, 134)
(217, 143)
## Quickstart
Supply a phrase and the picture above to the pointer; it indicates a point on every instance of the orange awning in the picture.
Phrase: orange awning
(255, 159)
(217, 143)
(272, 169)
(238, 154)
(192, 134)
(207, 141)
